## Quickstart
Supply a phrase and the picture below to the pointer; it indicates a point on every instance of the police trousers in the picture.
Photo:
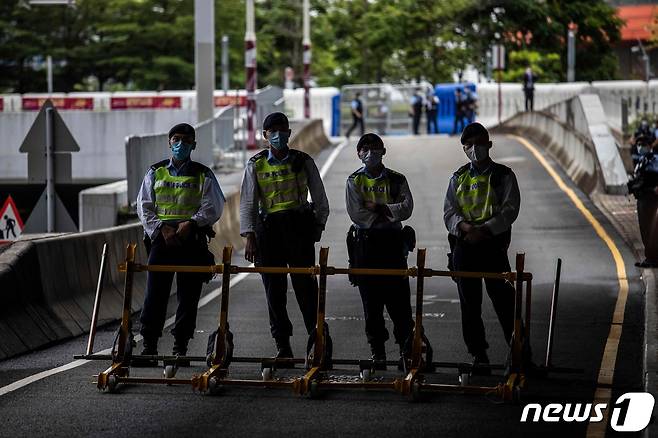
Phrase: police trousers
(194, 251)
(487, 256)
(285, 239)
(383, 249)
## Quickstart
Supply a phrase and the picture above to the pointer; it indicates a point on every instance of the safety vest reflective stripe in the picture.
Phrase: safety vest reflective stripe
(280, 185)
(281, 188)
(376, 190)
(475, 196)
(174, 213)
(184, 199)
(177, 197)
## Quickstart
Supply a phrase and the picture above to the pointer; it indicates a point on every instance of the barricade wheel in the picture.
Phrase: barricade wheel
(170, 371)
(415, 391)
(464, 379)
(516, 395)
(268, 374)
(366, 375)
(314, 390)
(112, 383)
(213, 386)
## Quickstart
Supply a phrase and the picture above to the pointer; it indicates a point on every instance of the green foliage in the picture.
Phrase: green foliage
(149, 44)
(547, 67)
(542, 26)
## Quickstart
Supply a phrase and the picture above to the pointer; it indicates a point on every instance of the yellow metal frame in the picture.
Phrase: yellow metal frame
(314, 379)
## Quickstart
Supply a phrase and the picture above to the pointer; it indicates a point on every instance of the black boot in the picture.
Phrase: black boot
(480, 359)
(180, 349)
(150, 349)
(378, 357)
(284, 351)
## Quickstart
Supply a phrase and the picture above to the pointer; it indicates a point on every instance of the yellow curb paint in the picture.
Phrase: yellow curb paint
(609, 359)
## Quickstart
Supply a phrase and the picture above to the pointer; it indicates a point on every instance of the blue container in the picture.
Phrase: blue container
(335, 115)
(446, 113)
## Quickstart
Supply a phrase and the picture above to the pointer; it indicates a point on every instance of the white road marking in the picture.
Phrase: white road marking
(202, 302)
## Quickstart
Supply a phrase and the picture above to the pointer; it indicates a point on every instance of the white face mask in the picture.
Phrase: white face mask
(372, 158)
(478, 152)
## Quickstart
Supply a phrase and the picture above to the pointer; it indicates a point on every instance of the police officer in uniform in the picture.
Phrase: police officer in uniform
(281, 226)
(178, 203)
(356, 108)
(481, 204)
(378, 200)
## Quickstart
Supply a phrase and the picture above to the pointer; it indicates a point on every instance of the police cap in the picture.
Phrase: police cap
(370, 139)
(182, 129)
(273, 119)
(474, 129)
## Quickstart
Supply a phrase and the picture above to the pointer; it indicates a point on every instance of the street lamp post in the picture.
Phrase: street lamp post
(307, 60)
(250, 64)
(204, 58)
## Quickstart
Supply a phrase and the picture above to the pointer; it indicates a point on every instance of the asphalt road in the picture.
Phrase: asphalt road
(549, 226)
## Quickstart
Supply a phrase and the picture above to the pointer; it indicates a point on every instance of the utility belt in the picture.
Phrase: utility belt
(379, 248)
(199, 235)
(302, 218)
(496, 243)
(198, 239)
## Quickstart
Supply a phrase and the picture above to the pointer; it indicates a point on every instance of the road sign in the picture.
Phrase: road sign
(11, 224)
(498, 57)
(35, 146)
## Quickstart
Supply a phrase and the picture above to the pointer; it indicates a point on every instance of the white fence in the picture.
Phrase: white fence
(213, 136)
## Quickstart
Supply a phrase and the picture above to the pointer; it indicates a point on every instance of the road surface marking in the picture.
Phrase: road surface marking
(202, 302)
(609, 359)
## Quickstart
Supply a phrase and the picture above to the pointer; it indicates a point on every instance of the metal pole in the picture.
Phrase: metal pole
(49, 63)
(307, 60)
(50, 172)
(97, 302)
(204, 58)
(571, 56)
(225, 71)
(551, 327)
(250, 64)
(500, 92)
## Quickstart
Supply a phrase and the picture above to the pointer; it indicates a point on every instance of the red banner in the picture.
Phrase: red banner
(230, 100)
(2, 104)
(62, 103)
(145, 102)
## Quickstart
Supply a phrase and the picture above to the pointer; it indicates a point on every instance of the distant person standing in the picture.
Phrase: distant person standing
(644, 186)
(431, 112)
(416, 110)
(529, 79)
(470, 104)
(459, 112)
(356, 106)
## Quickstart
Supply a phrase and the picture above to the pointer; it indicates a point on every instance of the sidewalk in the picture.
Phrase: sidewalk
(621, 211)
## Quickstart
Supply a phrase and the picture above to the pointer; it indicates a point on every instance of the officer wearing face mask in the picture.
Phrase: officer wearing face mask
(178, 203)
(481, 204)
(281, 226)
(378, 200)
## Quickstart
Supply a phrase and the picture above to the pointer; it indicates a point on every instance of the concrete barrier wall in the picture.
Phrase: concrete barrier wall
(577, 134)
(101, 137)
(572, 150)
(48, 286)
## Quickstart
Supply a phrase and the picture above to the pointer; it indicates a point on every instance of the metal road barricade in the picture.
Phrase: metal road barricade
(417, 361)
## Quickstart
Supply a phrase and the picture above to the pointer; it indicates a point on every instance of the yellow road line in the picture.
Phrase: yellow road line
(609, 359)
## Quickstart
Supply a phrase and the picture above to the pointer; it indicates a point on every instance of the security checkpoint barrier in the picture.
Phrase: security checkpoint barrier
(416, 360)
